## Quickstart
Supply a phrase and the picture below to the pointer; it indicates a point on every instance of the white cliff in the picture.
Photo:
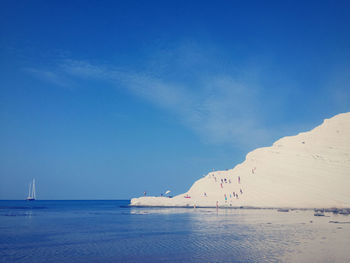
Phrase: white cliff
(309, 170)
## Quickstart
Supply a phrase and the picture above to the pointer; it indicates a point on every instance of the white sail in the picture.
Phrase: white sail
(31, 192)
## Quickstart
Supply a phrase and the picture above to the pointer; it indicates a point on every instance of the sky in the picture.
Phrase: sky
(108, 99)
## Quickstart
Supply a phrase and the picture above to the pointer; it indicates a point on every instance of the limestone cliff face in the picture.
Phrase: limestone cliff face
(309, 170)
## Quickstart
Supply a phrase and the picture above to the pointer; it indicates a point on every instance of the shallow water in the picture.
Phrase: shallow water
(109, 231)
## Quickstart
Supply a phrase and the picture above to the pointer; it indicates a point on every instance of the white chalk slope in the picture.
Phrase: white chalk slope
(309, 170)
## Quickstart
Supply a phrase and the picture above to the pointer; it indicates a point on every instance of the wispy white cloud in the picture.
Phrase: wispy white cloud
(51, 76)
(219, 107)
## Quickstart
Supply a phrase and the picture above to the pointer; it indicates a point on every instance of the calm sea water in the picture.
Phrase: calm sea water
(110, 231)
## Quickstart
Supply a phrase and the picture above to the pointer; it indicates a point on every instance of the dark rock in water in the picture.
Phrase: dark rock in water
(337, 222)
(344, 212)
(319, 210)
(332, 210)
(318, 213)
(283, 210)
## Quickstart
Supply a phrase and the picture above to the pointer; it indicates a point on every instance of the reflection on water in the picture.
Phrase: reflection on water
(109, 231)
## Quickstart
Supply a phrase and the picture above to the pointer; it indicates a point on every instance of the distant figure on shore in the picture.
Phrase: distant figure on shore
(144, 193)
(241, 191)
(221, 185)
(253, 170)
(239, 179)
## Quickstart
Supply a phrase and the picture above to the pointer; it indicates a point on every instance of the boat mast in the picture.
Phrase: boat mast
(30, 188)
(33, 192)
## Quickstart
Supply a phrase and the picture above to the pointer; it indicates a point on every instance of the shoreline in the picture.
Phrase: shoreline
(341, 211)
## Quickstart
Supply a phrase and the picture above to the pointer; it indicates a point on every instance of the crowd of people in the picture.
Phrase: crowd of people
(228, 196)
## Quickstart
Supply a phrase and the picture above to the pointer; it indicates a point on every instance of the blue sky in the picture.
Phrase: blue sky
(107, 99)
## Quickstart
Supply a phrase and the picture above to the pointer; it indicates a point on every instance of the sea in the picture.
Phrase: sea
(111, 231)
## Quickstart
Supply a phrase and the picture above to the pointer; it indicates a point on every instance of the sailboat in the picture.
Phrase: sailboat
(31, 193)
